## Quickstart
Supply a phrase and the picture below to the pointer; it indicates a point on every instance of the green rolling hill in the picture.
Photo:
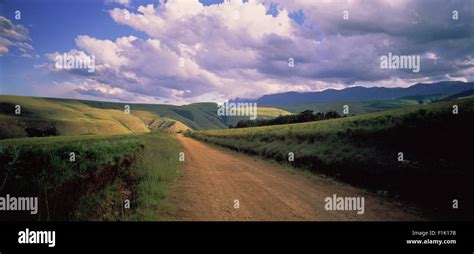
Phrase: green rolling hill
(364, 107)
(53, 116)
(462, 95)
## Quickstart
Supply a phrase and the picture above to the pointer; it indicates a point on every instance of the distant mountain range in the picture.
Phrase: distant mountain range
(359, 93)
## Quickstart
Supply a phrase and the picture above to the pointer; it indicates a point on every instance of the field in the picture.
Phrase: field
(94, 182)
(364, 151)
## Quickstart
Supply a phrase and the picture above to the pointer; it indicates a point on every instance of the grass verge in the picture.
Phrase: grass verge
(156, 169)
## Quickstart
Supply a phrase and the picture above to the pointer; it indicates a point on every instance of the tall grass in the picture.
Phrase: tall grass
(107, 171)
(44, 169)
(157, 167)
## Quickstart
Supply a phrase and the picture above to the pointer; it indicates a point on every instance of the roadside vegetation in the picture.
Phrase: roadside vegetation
(157, 167)
(105, 172)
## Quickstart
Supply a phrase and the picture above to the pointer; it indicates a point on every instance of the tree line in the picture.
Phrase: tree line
(305, 116)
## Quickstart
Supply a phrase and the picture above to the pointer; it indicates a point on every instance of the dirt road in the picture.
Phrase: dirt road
(225, 185)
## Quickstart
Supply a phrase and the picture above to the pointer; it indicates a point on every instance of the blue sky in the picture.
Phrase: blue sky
(53, 26)
(227, 58)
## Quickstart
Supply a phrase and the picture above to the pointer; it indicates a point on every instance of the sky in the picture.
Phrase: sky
(185, 51)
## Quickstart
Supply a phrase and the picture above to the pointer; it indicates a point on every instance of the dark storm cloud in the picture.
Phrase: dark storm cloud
(375, 28)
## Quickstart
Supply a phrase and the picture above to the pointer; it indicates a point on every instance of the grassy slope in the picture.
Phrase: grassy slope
(167, 125)
(462, 95)
(198, 116)
(107, 170)
(363, 150)
(358, 108)
(65, 117)
(156, 123)
(262, 113)
(50, 116)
